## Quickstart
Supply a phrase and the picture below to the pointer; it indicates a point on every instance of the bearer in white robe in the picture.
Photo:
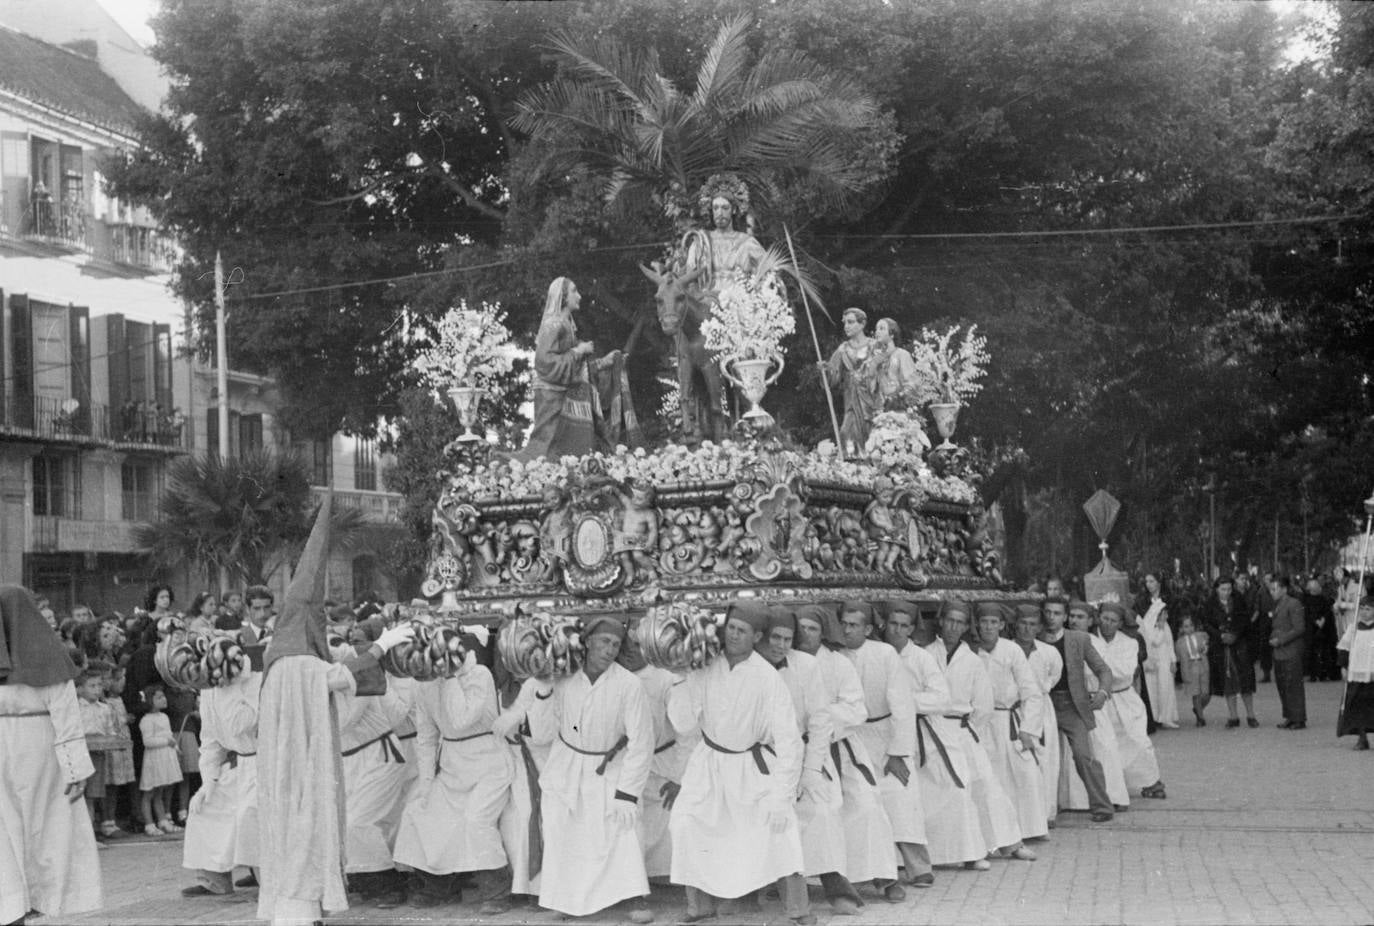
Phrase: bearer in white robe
(1013, 738)
(375, 777)
(819, 800)
(868, 838)
(522, 830)
(1072, 794)
(1125, 710)
(1046, 666)
(602, 737)
(450, 825)
(734, 824)
(669, 762)
(889, 732)
(971, 702)
(222, 822)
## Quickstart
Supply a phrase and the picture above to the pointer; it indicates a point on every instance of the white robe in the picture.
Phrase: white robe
(868, 837)
(946, 775)
(223, 831)
(1072, 794)
(822, 833)
(970, 695)
(1125, 713)
(520, 816)
(891, 731)
(722, 842)
(48, 858)
(451, 822)
(375, 777)
(589, 862)
(669, 762)
(1159, 664)
(1016, 698)
(1046, 667)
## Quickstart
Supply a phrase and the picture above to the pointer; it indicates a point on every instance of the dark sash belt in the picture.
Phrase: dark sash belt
(924, 726)
(879, 718)
(462, 739)
(407, 736)
(389, 750)
(27, 714)
(665, 747)
(606, 755)
(1015, 720)
(756, 750)
(864, 770)
(964, 722)
(232, 760)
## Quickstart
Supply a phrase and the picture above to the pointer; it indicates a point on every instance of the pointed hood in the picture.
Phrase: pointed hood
(30, 651)
(300, 627)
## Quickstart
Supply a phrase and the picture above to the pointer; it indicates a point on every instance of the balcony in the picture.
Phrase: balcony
(137, 426)
(61, 223)
(70, 535)
(377, 507)
(142, 247)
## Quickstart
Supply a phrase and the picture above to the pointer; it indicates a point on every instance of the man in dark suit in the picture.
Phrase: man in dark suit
(1074, 705)
(258, 627)
(1287, 635)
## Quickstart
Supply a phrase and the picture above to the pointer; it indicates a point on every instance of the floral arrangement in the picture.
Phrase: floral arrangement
(749, 318)
(471, 347)
(947, 369)
(676, 464)
(897, 435)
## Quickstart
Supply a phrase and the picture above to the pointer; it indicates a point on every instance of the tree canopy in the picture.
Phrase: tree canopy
(1132, 200)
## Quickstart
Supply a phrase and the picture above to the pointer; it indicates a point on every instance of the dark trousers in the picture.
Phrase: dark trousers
(1081, 745)
(1292, 695)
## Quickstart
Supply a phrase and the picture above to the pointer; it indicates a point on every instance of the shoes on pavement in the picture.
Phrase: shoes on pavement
(1251, 722)
(808, 919)
(200, 890)
(981, 864)
(1101, 817)
(1290, 725)
(167, 826)
(1050, 823)
(843, 906)
(640, 913)
(390, 897)
(894, 893)
(494, 907)
(1232, 723)
(697, 917)
(925, 880)
(246, 881)
(1121, 808)
(152, 830)
(1155, 790)
(1022, 853)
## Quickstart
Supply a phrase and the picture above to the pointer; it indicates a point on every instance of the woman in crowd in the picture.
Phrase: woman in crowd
(1226, 618)
(204, 609)
(1160, 657)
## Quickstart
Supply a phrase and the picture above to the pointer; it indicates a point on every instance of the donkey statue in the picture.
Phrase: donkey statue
(681, 311)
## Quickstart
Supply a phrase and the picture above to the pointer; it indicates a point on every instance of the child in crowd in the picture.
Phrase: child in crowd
(95, 723)
(161, 767)
(119, 761)
(1191, 649)
(1356, 655)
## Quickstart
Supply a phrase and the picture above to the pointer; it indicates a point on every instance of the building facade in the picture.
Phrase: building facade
(99, 390)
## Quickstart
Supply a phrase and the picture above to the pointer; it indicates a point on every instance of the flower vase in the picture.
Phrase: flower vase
(466, 399)
(946, 415)
(752, 379)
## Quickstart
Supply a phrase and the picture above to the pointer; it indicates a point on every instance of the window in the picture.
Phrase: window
(319, 457)
(365, 466)
(364, 576)
(55, 486)
(140, 492)
(250, 434)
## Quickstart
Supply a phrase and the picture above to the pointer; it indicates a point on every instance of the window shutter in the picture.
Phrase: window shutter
(80, 347)
(162, 367)
(212, 431)
(117, 363)
(21, 350)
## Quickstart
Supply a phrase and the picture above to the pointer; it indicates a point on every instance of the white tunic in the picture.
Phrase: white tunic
(722, 842)
(520, 820)
(868, 837)
(1046, 667)
(451, 822)
(1126, 714)
(1072, 794)
(589, 862)
(1159, 664)
(375, 777)
(822, 832)
(669, 762)
(48, 857)
(891, 731)
(970, 695)
(222, 832)
(1019, 708)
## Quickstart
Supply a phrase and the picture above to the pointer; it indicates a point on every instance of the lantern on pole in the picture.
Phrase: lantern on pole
(1105, 582)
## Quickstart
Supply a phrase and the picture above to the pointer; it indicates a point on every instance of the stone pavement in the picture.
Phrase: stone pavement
(1260, 826)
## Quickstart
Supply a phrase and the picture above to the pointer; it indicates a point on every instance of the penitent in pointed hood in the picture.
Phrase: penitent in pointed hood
(300, 627)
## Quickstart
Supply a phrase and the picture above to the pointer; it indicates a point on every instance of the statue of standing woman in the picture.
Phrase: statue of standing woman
(567, 409)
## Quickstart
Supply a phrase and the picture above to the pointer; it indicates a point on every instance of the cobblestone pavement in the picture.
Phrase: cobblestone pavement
(1260, 826)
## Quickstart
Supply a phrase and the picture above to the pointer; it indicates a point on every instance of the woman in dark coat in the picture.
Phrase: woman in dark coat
(1226, 618)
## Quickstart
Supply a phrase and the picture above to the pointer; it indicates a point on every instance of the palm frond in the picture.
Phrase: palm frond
(777, 260)
(719, 77)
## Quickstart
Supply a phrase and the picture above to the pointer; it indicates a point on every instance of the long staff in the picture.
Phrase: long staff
(825, 378)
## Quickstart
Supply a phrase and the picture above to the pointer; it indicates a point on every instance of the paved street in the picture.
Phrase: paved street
(1261, 826)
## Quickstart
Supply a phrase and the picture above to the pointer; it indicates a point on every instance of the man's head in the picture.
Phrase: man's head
(745, 624)
(954, 621)
(1054, 587)
(1314, 586)
(1055, 613)
(234, 602)
(1242, 581)
(1278, 586)
(811, 622)
(602, 639)
(777, 640)
(1110, 617)
(991, 619)
(901, 621)
(260, 600)
(856, 618)
(83, 614)
(1081, 616)
(854, 321)
(1224, 585)
(1029, 623)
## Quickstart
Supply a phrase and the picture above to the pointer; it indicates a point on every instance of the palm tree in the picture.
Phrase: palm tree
(803, 137)
(244, 514)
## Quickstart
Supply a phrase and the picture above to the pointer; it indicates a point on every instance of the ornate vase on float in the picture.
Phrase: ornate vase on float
(946, 415)
(467, 400)
(751, 376)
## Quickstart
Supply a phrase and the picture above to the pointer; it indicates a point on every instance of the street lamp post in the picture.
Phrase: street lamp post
(1211, 489)
(1364, 548)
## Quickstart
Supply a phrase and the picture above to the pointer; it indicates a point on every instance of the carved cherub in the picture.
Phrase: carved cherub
(883, 527)
(555, 531)
(637, 537)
